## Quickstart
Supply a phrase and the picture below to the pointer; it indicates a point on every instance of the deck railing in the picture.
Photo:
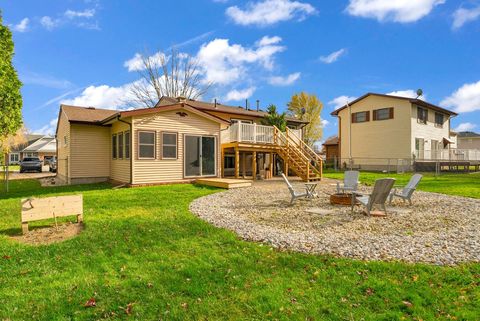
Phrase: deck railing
(254, 133)
(452, 154)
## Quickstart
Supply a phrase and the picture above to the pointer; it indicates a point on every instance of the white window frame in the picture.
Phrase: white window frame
(216, 155)
(170, 145)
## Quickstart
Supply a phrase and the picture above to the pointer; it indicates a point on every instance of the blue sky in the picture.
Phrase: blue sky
(83, 52)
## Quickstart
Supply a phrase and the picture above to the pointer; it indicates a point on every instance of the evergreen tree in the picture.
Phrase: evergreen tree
(273, 118)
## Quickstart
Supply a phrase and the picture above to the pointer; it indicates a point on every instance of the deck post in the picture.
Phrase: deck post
(222, 163)
(254, 132)
(308, 171)
(244, 164)
(239, 132)
(271, 165)
(237, 163)
(254, 165)
(285, 164)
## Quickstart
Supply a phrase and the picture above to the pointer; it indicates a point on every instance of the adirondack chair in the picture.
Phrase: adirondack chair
(295, 195)
(350, 182)
(381, 191)
(407, 191)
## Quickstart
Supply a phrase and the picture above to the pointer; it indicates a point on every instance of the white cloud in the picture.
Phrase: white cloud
(403, 11)
(87, 13)
(465, 127)
(48, 129)
(333, 56)
(136, 63)
(409, 93)
(325, 123)
(465, 99)
(461, 16)
(266, 40)
(102, 96)
(22, 26)
(341, 101)
(224, 63)
(284, 81)
(240, 94)
(48, 22)
(268, 12)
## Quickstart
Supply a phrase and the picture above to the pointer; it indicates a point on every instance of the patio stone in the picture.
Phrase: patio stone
(437, 229)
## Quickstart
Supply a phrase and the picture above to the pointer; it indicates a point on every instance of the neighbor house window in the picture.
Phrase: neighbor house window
(438, 120)
(114, 146)
(169, 145)
(422, 115)
(361, 117)
(383, 113)
(127, 145)
(14, 157)
(120, 145)
(146, 145)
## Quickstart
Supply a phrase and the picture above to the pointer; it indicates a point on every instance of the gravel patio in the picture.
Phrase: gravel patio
(437, 229)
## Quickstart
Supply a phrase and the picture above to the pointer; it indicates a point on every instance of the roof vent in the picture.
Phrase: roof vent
(181, 99)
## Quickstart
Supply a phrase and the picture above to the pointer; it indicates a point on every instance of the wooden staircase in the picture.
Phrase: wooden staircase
(298, 156)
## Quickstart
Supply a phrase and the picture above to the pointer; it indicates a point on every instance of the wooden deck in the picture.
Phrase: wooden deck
(227, 183)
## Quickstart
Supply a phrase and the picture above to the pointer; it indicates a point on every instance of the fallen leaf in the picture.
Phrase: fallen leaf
(7, 257)
(128, 309)
(369, 291)
(415, 278)
(90, 303)
(184, 305)
(407, 303)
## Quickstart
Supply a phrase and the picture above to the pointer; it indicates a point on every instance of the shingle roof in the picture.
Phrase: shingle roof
(205, 106)
(86, 114)
(412, 100)
(468, 134)
(331, 141)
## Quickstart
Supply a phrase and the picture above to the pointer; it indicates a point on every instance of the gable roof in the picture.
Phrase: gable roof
(468, 134)
(29, 139)
(331, 141)
(411, 100)
(44, 144)
(218, 107)
(86, 114)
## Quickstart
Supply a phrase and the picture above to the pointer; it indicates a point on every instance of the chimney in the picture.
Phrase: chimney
(246, 104)
(215, 103)
(258, 105)
(181, 99)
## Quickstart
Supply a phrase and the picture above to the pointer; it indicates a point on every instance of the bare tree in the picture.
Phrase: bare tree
(175, 75)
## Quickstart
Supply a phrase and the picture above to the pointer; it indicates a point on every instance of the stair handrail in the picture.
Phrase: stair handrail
(281, 135)
(305, 146)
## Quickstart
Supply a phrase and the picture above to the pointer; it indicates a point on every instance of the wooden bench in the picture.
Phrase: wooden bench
(35, 209)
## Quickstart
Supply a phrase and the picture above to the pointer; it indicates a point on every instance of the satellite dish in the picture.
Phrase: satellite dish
(419, 93)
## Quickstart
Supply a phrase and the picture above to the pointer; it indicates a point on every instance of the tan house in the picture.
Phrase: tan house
(41, 146)
(178, 140)
(377, 131)
(468, 140)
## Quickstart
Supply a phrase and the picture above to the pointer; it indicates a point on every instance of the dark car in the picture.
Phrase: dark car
(31, 164)
(52, 164)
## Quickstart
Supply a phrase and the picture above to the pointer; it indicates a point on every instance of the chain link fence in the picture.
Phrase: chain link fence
(399, 165)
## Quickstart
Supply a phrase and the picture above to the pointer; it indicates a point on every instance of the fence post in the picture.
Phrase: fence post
(335, 166)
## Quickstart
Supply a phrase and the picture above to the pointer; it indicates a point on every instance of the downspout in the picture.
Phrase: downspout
(131, 146)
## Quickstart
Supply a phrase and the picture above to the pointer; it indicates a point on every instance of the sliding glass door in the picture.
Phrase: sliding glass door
(199, 156)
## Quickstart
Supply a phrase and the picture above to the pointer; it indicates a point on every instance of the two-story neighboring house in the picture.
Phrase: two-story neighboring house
(469, 140)
(377, 131)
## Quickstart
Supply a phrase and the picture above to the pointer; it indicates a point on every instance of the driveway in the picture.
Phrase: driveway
(31, 175)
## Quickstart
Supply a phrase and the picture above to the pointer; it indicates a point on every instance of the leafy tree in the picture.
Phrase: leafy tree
(308, 107)
(273, 118)
(10, 96)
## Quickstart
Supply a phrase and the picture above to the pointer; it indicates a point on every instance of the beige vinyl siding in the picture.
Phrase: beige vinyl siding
(120, 168)
(428, 131)
(390, 138)
(159, 170)
(63, 149)
(90, 151)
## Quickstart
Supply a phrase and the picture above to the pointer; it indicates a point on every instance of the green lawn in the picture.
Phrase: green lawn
(454, 184)
(142, 246)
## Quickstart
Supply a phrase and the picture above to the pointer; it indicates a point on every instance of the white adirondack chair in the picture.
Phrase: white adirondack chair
(406, 192)
(350, 182)
(295, 195)
(381, 191)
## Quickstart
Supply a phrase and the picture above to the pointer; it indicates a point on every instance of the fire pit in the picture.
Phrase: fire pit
(341, 199)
